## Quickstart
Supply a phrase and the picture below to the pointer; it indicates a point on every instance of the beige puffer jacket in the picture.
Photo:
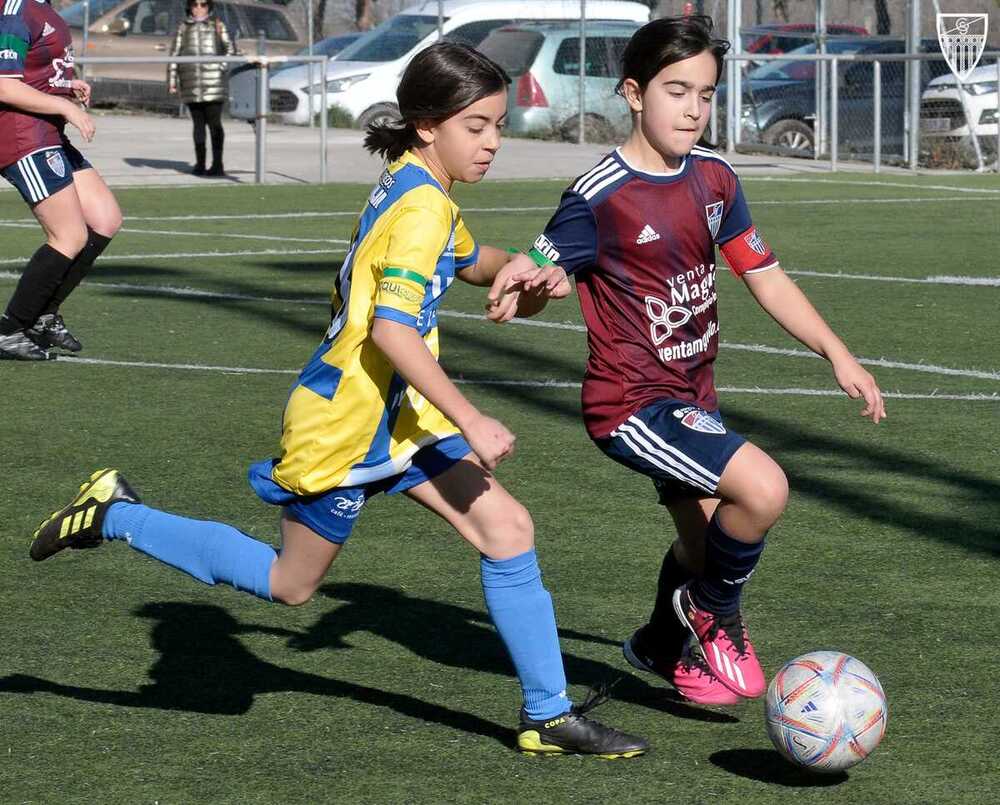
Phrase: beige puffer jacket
(201, 83)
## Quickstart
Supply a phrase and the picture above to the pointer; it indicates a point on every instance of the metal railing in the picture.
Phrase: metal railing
(262, 65)
(827, 115)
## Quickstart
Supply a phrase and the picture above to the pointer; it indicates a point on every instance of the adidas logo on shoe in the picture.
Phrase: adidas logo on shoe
(648, 235)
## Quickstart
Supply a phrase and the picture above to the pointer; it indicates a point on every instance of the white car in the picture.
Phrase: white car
(942, 115)
(363, 78)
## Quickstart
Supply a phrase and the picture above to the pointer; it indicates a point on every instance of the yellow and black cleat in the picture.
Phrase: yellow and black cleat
(573, 734)
(78, 525)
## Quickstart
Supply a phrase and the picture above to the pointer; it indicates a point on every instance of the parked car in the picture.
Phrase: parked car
(783, 37)
(944, 106)
(147, 28)
(779, 104)
(243, 79)
(363, 78)
(543, 61)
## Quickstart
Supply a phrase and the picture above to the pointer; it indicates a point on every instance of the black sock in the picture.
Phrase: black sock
(41, 278)
(669, 633)
(729, 564)
(96, 244)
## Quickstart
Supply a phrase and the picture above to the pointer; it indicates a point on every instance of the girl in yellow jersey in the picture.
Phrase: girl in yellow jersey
(374, 412)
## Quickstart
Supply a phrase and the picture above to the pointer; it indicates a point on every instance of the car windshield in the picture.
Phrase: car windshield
(74, 14)
(393, 38)
(514, 50)
(330, 46)
(781, 70)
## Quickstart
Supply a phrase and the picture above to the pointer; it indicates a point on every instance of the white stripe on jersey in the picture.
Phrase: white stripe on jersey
(655, 437)
(700, 151)
(11, 7)
(603, 164)
(584, 184)
(642, 448)
(597, 188)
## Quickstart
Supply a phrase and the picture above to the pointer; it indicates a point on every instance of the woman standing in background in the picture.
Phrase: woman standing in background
(202, 86)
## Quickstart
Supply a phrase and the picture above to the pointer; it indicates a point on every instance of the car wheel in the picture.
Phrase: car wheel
(791, 135)
(380, 113)
(595, 129)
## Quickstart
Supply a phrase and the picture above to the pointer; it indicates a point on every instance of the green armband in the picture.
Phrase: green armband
(540, 259)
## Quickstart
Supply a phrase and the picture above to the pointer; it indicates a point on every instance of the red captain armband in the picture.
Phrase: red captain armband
(748, 252)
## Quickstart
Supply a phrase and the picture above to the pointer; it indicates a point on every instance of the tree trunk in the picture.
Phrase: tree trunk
(363, 16)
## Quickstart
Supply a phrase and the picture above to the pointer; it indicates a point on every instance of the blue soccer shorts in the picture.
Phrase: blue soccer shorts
(332, 514)
(45, 172)
(681, 447)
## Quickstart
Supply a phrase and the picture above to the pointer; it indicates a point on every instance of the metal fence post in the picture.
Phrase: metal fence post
(834, 114)
(581, 134)
(323, 124)
(877, 113)
(86, 30)
(260, 129)
(998, 114)
(312, 65)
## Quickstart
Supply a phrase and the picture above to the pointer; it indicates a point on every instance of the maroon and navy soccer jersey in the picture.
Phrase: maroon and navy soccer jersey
(641, 247)
(35, 47)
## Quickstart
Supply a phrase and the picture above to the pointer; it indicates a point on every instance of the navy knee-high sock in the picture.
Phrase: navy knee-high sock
(209, 551)
(521, 609)
(729, 563)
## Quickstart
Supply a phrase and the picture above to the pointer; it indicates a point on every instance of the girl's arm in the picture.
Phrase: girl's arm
(406, 350)
(14, 92)
(518, 301)
(784, 301)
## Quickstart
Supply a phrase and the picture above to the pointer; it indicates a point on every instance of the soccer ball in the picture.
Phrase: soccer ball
(825, 711)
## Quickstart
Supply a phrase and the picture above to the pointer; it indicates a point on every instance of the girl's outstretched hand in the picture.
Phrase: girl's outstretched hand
(520, 274)
(858, 382)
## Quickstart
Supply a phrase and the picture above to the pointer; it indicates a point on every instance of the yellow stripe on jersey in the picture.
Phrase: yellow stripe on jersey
(351, 419)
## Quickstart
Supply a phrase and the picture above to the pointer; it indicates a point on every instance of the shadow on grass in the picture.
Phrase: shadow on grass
(203, 668)
(767, 766)
(463, 638)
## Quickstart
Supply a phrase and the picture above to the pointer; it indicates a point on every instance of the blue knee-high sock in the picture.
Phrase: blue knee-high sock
(729, 564)
(522, 612)
(211, 552)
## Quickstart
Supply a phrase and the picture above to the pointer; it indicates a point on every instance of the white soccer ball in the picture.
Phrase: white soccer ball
(825, 711)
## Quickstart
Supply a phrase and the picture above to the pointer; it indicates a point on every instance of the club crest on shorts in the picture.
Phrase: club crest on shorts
(755, 242)
(55, 162)
(699, 420)
(713, 214)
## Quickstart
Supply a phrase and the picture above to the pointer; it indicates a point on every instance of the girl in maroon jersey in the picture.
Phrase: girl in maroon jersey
(639, 233)
(78, 213)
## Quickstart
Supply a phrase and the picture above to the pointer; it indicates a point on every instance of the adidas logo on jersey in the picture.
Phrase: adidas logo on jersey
(48, 29)
(648, 235)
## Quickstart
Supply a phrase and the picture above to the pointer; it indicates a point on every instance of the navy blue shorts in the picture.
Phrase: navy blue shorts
(332, 514)
(45, 172)
(681, 447)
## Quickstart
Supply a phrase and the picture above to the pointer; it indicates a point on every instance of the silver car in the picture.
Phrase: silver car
(543, 61)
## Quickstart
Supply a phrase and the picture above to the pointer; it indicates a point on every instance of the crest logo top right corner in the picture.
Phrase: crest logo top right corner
(962, 38)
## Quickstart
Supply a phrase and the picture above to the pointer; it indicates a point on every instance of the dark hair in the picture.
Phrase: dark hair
(189, 4)
(666, 41)
(441, 81)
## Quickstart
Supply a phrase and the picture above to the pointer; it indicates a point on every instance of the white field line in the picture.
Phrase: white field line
(939, 279)
(907, 185)
(30, 222)
(188, 234)
(181, 256)
(195, 293)
(544, 384)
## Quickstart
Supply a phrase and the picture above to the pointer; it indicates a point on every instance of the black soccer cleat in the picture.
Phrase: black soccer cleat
(78, 525)
(18, 347)
(50, 331)
(574, 734)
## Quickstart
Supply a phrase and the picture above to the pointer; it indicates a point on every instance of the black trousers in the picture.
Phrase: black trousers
(210, 114)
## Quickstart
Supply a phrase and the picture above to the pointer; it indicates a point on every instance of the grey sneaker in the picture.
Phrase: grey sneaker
(50, 331)
(18, 347)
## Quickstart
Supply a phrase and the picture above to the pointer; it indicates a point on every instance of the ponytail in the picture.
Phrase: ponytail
(390, 140)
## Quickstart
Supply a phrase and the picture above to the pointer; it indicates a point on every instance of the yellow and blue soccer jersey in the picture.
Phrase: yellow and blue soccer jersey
(351, 419)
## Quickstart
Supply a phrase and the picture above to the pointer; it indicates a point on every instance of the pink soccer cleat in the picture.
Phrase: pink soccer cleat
(725, 645)
(689, 675)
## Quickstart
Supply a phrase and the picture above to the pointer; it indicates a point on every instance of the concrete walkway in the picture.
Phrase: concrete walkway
(136, 150)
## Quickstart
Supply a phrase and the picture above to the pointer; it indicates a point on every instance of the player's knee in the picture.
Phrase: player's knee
(109, 223)
(770, 495)
(509, 534)
(70, 241)
(294, 596)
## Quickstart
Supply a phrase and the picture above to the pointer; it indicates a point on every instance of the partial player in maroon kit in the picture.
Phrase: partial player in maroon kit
(639, 232)
(39, 94)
